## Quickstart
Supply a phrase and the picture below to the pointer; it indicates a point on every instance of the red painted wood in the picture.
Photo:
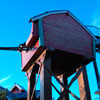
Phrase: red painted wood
(26, 56)
(29, 57)
(34, 34)
(64, 33)
(61, 32)
(16, 90)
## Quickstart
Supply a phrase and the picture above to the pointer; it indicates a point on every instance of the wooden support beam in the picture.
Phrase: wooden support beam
(63, 79)
(31, 82)
(56, 89)
(96, 70)
(84, 85)
(39, 70)
(65, 88)
(45, 81)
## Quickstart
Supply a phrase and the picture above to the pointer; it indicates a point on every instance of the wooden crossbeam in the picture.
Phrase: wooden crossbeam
(31, 82)
(56, 89)
(63, 79)
(65, 88)
(31, 75)
(76, 76)
(39, 70)
(62, 95)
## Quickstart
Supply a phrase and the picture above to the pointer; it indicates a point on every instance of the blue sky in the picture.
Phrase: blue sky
(15, 29)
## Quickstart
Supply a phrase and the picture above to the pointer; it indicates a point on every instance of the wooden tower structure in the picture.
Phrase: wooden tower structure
(63, 46)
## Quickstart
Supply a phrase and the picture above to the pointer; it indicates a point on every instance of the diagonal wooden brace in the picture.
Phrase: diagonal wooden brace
(63, 79)
(31, 75)
(76, 76)
(39, 61)
(31, 82)
(65, 88)
(71, 82)
(39, 70)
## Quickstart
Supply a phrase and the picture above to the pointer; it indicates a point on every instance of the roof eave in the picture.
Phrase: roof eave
(82, 25)
(46, 14)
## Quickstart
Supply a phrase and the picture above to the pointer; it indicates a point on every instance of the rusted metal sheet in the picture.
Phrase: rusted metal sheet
(62, 32)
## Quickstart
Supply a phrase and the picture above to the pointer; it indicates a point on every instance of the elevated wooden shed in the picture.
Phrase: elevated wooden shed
(61, 45)
(69, 42)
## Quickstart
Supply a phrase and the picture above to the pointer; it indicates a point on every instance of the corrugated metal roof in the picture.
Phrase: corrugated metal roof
(34, 18)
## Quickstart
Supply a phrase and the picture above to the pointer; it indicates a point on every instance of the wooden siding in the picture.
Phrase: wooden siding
(26, 56)
(32, 41)
(33, 35)
(16, 90)
(62, 32)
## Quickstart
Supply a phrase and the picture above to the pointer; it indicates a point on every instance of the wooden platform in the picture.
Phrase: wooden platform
(61, 62)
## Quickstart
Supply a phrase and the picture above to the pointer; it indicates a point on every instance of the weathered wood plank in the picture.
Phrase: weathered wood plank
(63, 79)
(31, 82)
(45, 81)
(84, 85)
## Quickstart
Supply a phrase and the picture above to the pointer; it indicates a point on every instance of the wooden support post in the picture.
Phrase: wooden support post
(63, 79)
(31, 82)
(96, 70)
(65, 88)
(45, 81)
(84, 85)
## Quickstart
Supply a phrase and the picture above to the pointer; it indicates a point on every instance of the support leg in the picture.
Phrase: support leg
(31, 83)
(45, 81)
(96, 71)
(84, 85)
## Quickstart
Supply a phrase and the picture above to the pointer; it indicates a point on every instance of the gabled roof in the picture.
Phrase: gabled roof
(34, 18)
(11, 96)
(18, 86)
(46, 14)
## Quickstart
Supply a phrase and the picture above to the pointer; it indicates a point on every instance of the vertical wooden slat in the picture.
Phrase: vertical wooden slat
(84, 85)
(45, 81)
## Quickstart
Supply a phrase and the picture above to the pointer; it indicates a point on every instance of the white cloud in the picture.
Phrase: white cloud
(5, 79)
(96, 20)
(96, 15)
